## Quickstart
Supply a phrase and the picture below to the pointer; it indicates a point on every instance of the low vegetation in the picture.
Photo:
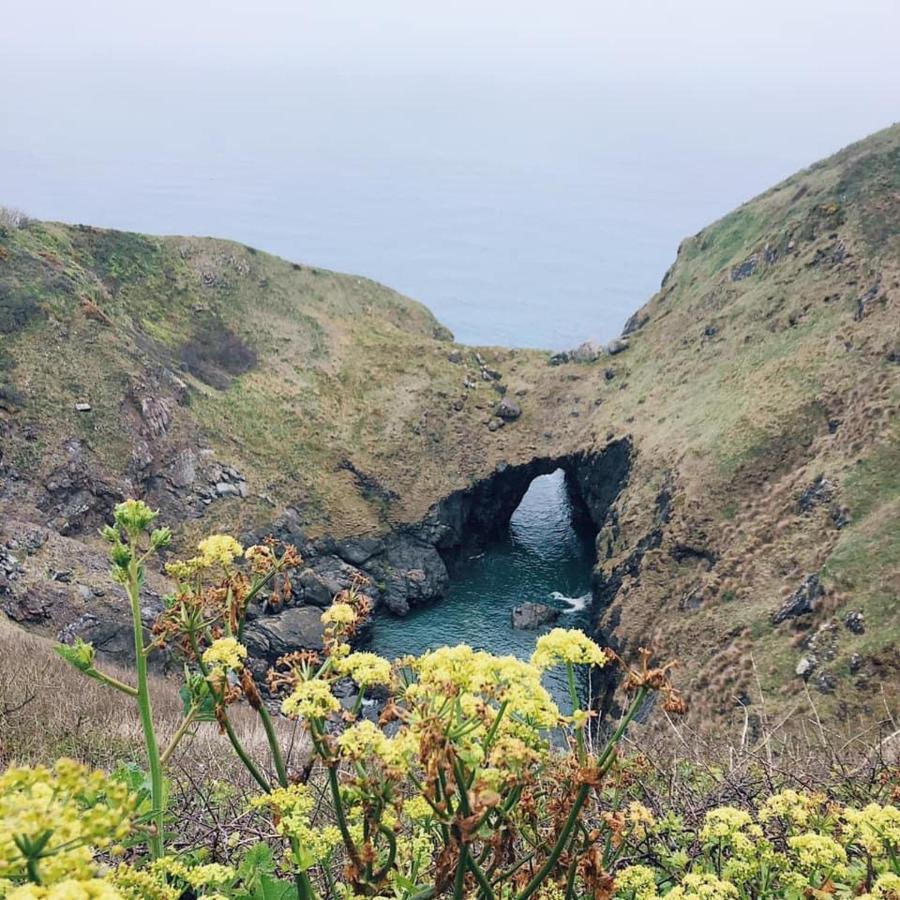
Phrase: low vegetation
(449, 774)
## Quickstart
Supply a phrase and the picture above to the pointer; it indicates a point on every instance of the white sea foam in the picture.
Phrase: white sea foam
(576, 604)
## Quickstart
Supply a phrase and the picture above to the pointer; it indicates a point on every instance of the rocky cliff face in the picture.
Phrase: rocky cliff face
(736, 451)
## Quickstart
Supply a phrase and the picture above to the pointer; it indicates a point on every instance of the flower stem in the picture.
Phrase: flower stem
(186, 723)
(580, 799)
(146, 711)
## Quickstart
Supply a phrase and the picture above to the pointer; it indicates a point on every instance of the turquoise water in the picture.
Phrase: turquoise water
(542, 558)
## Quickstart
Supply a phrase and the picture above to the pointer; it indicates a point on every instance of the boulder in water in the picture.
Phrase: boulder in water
(533, 615)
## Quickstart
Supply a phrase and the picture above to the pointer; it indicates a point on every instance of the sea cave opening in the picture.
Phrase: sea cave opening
(543, 554)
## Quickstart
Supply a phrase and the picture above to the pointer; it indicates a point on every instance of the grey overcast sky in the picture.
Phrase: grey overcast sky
(827, 42)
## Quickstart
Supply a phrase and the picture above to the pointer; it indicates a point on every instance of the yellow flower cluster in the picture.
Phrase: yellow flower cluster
(478, 676)
(168, 877)
(69, 889)
(703, 886)
(731, 827)
(225, 654)
(876, 827)
(216, 550)
(818, 852)
(58, 818)
(339, 614)
(566, 645)
(637, 883)
(364, 668)
(310, 700)
(366, 741)
(219, 549)
(294, 808)
(790, 806)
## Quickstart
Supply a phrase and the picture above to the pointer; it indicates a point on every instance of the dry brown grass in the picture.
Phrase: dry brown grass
(47, 710)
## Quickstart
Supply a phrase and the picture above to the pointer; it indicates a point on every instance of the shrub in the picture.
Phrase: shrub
(471, 782)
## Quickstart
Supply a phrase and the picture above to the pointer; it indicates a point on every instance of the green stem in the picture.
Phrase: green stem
(112, 682)
(580, 799)
(242, 755)
(459, 881)
(146, 711)
(180, 733)
(274, 746)
(573, 694)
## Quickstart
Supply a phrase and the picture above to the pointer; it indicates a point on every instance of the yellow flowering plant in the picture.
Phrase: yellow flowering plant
(452, 773)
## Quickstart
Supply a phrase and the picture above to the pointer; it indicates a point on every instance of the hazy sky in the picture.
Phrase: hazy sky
(827, 42)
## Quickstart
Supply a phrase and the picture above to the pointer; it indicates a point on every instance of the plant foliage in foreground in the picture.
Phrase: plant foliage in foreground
(455, 790)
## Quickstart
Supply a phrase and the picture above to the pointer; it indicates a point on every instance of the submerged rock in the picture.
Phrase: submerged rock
(533, 615)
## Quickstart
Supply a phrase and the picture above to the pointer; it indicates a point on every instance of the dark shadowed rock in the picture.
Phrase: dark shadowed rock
(359, 550)
(294, 628)
(802, 601)
(312, 589)
(820, 491)
(856, 622)
(533, 615)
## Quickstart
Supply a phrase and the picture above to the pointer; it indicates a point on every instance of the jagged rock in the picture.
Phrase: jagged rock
(802, 601)
(806, 666)
(359, 549)
(182, 472)
(455, 356)
(637, 321)
(820, 491)
(825, 683)
(617, 346)
(745, 269)
(294, 628)
(840, 517)
(559, 358)
(508, 409)
(533, 615)
(856, 622)
(313, 589)
(227, 489)
(490, 374)
(856, 663)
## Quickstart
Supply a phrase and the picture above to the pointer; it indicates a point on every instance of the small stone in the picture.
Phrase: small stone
(508, 409)
(82, 407)
(856, 622)
(806, 667)
(617, 346)
(226, 489)
(856, 663)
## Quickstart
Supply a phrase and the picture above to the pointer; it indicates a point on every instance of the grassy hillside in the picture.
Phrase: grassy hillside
(759, 388)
